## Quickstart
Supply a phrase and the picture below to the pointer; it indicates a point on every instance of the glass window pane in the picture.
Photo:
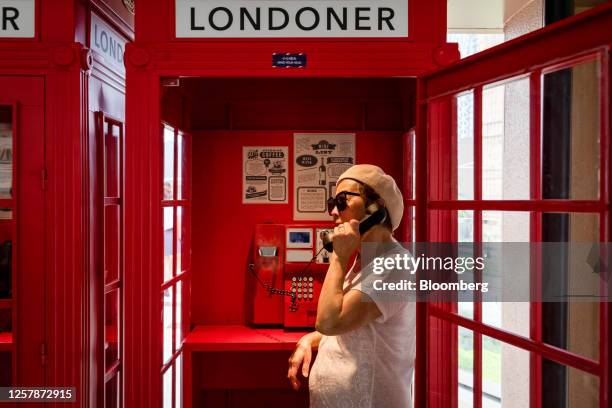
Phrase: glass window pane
(501, 386)
(506, 141)
(181, 180)
(112, 160)
(168, 164)
(112, 327)
(112, 240)
(6, 151)
(6, 214)
(510, 227)
(167, 319)
(6, 269)
(465, 146)
(111, 392)
(168, 242)
(584, 5)
(179, 315)
(465, 363)
(181, 234)
(564, 386)
(570, 133)
(167, 391)
(574, 325)
(465, 233)
(178, 383)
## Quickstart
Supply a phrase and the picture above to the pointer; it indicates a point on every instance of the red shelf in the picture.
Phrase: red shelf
(6, 341)
(6, 303)
(240, 338)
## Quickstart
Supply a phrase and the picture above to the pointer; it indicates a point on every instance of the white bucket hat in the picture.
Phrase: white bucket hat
(383, 184)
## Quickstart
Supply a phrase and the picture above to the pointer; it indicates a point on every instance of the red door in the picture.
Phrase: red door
(22, 223)
(513, 146)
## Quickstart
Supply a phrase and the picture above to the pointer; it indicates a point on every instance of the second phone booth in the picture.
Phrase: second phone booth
(238, 127)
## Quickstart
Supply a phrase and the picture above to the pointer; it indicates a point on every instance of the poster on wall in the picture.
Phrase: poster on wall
(264, 174)
(320, 158)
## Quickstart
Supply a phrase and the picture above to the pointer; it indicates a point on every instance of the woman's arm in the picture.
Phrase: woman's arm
(338, 313)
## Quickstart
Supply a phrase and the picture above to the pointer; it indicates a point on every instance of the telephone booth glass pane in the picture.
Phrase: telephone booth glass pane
(179, 321)
(568, 387)
(506, 141)
(111, 243)
(168, 324)
(501, 386)
(572, 325)
(506, 227)
(111, 327)
(178, 381)
(112, 160)
(181, 180)
(182, 255)
(465, 146)
(168, 164)
(570, 132)
(111, 392)
(465, 362)
(465, 233)
(168, 242)
(167, 391)
(6, 151)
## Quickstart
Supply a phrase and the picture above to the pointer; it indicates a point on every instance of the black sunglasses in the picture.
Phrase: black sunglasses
(339, 201)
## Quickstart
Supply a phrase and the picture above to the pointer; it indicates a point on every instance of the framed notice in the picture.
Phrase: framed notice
(320, 158)
(264, 174)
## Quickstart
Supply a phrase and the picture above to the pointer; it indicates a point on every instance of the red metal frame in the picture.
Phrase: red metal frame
(533, 54)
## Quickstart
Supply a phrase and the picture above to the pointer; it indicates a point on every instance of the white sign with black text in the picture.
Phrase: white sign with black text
(107, 42)
(264, 174)
(17, 18)
(291, 18)
(320, 158)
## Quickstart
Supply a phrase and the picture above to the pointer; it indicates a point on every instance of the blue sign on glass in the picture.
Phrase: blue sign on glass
(286, 60)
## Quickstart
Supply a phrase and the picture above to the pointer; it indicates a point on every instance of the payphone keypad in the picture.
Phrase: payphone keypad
(303, 287)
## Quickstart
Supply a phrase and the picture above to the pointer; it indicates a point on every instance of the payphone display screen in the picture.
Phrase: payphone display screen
(299, 238)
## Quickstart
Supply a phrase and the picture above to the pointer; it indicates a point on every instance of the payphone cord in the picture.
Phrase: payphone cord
(275, 291)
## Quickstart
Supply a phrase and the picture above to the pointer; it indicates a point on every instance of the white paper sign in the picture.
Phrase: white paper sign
(291, 18)
(17, 18)
(320, 158)
(264, 174)
(107, 42)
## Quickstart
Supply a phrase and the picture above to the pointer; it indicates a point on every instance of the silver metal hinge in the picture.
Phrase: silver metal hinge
(43, 353)
(43, 179)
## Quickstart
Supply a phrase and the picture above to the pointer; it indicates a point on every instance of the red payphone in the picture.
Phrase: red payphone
(288, 268)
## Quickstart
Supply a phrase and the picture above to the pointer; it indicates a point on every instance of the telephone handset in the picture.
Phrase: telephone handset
(377, 216)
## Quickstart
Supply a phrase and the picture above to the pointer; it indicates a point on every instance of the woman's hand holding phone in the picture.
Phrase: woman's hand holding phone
(346, 240)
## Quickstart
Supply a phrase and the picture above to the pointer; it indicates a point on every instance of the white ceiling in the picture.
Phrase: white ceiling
(476, 15)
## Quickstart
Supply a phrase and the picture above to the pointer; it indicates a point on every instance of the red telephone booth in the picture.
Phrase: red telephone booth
(193, 105)
(198, 95)
(62, 110)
